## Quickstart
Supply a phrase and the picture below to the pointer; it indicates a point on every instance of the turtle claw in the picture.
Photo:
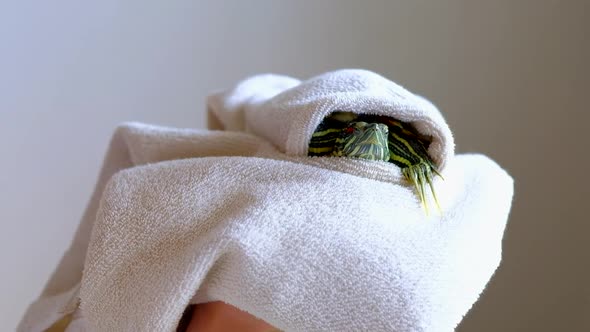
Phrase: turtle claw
(420, 175)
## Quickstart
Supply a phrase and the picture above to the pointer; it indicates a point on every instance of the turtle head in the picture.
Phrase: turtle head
(363, 140)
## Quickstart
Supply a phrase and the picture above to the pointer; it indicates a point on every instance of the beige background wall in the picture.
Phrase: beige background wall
(510, 77)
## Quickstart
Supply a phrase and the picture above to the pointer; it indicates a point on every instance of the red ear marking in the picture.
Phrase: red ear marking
(349, 130)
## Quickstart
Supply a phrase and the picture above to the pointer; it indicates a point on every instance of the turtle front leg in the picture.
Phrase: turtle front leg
(420, 175)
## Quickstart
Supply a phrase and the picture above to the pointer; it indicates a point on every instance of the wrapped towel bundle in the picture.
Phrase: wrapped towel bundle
(241, 214)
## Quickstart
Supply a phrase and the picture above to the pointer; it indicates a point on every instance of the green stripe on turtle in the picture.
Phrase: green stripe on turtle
(378, 138)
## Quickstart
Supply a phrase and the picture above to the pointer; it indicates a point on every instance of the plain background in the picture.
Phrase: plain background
(510, 76)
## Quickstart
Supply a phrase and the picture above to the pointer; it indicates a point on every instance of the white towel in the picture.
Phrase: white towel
(304, 243)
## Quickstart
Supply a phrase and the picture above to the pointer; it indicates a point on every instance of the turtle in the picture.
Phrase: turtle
(377, 138)
(354, 139)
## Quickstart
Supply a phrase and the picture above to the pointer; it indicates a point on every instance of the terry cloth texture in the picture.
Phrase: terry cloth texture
(239, 213)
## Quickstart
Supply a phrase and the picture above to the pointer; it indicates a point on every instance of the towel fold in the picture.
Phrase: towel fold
(241, 214)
